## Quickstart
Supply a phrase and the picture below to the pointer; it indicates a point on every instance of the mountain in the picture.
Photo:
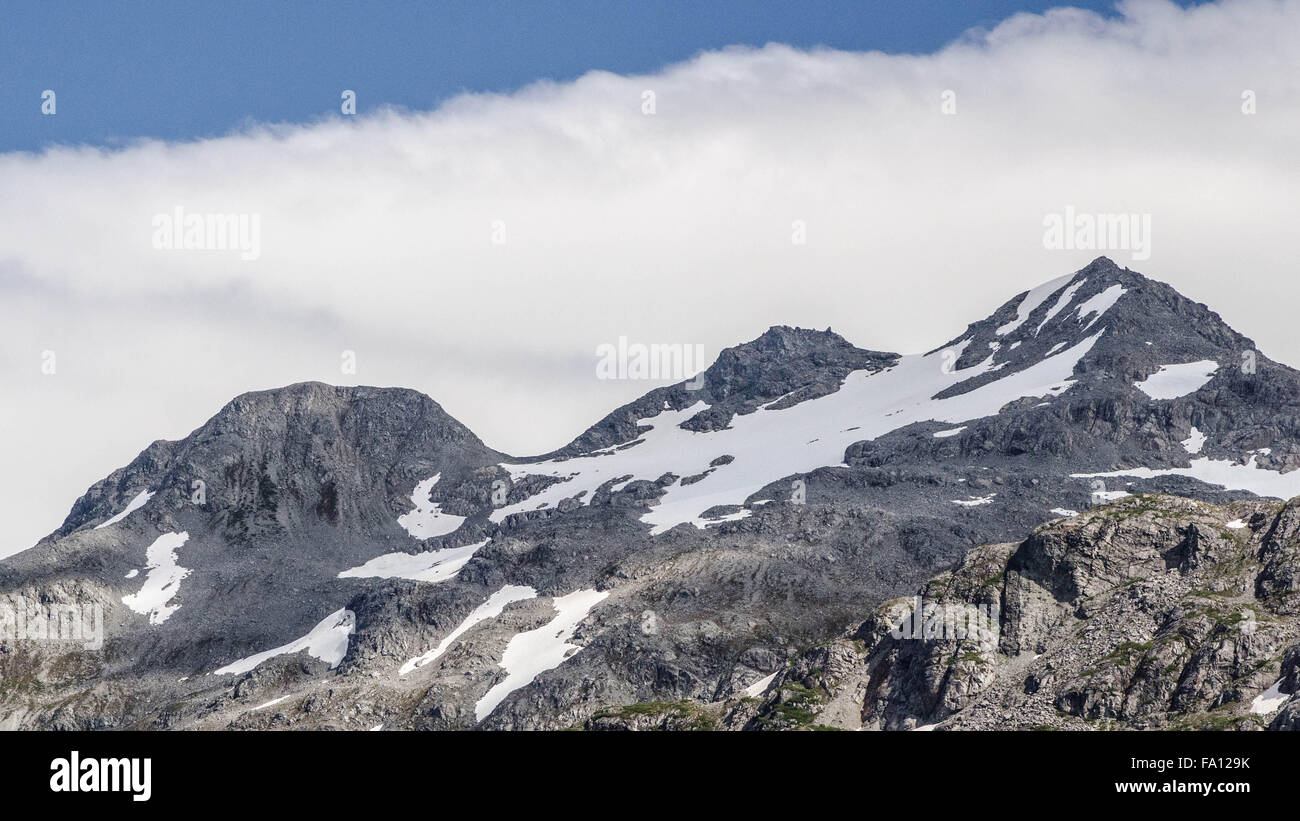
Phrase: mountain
(325, 557)
(1155, 612)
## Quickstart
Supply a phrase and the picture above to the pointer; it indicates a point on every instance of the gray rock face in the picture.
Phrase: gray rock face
(791, 365)
(1102, 620)
(284, 490)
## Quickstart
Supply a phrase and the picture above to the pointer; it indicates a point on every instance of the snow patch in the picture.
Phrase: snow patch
(944, 434)
(163, 580)
(489, 609)
(327, 641)
(759, 687)
(1195, 442)
(1110, 495)
(1100, 304)
(532, 653)
(743, 513)
(1174, 381)
(1064, 511)
(1236, 524)
(769, 445)
(975, 500)
(427, 520)
(1269, 701)
(1224, 473)
(430, 566)
(1032, 300)
(1060, 304)
(131, 507)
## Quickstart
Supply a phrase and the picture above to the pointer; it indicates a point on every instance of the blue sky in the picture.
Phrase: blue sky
(181, 70)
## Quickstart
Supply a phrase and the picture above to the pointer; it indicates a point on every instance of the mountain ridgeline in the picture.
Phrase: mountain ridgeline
(1100, 469)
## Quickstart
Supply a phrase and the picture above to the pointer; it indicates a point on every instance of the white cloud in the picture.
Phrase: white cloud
(375, 233)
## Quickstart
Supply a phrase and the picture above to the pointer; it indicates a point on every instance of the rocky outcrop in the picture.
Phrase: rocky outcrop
(1152, 612)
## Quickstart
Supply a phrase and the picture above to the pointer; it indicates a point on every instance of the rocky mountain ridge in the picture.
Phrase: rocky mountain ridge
(318, 556)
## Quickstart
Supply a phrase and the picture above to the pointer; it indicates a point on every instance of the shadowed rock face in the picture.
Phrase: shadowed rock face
(283, 490)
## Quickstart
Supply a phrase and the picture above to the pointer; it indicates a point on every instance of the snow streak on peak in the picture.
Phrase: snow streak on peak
(1032, 300)
(135, 504)
(1100, 304)
(769, 444)
(1060, 304)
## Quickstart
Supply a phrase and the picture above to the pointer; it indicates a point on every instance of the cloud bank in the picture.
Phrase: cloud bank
(483, 251)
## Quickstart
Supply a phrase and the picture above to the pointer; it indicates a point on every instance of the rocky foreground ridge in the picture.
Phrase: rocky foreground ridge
(1154, 612)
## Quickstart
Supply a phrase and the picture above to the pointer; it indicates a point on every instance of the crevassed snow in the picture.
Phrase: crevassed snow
(1173, 381)
(1195, 442)
(487, 610)
(1224, 473)
(131, 507)
(532, 653)
(1269, 701)
(327, 641)
(975, 500)
(428, 520)
(772, 444)
(163, 580)
(1100, 303)
(1236, 524)
(759, 687)
(1060, 304)
(944, 434)
(1032, 300)
(430, 566)
(1064, 511)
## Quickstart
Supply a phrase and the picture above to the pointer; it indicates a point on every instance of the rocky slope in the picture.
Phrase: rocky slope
(353, 557)
(1154, 612)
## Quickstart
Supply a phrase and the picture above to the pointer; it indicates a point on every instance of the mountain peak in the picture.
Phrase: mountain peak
(315, 432)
